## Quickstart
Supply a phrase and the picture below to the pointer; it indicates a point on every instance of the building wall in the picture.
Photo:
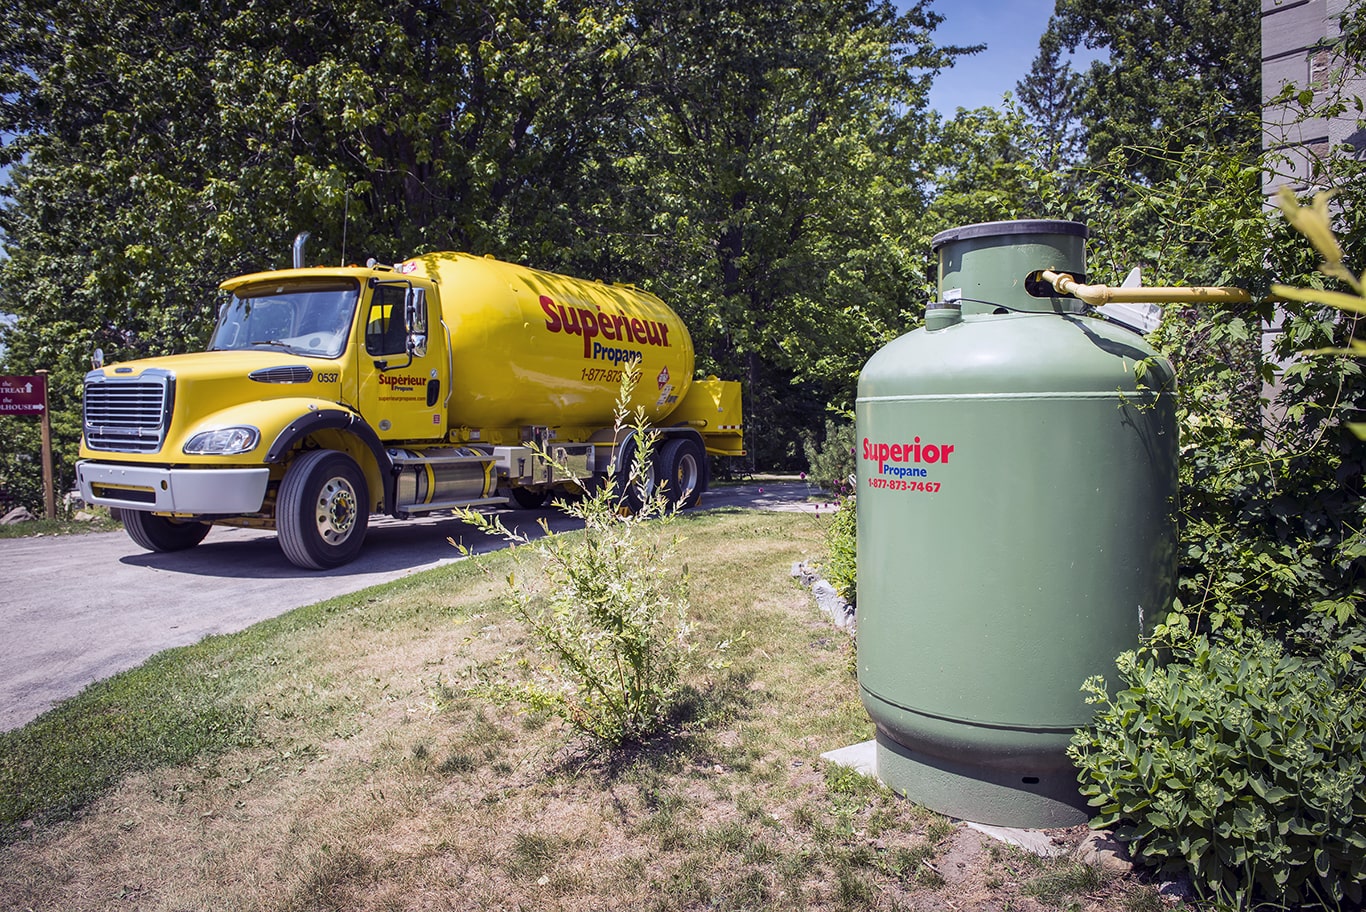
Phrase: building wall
(1297, 37)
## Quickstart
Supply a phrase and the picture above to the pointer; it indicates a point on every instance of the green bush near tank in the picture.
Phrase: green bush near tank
(841, 538)
(1239, 763)
(1241, 759)
(831, 462)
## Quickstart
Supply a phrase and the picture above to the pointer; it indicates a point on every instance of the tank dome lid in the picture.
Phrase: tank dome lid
(1001, 229)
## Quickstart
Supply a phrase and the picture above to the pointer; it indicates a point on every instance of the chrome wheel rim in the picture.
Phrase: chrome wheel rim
(337, 510)
(686, 477)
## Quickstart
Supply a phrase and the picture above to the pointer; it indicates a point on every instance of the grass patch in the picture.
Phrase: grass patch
(534, 855)
(842, 780)
(184, 704)
(167, 712)
(1065, 882)
(343, 755)
(33, 528)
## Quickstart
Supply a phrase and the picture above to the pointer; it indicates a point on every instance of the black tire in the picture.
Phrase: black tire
(161, 533)
(323, 510)
(626, 493)
(683, 468)
(529, 499)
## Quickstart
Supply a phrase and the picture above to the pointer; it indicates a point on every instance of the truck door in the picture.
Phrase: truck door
(403, 367)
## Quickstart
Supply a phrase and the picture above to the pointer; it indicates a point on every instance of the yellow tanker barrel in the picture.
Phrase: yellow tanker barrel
(533, 348)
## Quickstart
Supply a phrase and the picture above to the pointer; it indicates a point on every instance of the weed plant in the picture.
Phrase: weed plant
(607, 609)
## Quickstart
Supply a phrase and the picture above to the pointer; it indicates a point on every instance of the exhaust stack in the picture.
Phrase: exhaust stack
(299, 243)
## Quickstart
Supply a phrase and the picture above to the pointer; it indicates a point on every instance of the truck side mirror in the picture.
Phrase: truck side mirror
(415, 320)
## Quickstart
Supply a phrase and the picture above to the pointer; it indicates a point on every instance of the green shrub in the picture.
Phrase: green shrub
(841, 538)
(830, 463)
(606, 609)
(1239, 763)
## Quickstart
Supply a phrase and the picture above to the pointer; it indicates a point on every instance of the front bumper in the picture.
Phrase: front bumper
(199, 491)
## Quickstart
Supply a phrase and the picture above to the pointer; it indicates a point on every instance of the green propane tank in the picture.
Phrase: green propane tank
(1016, 525)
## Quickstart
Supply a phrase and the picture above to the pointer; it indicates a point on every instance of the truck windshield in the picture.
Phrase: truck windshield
(310, 318)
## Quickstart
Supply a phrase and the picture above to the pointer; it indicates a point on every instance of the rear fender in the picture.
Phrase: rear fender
(715, 408)
(626, 444)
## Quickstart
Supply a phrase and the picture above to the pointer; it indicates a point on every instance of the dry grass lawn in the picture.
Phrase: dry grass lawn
(376, 780)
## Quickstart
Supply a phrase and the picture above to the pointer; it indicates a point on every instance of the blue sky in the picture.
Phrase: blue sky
(1009, 28)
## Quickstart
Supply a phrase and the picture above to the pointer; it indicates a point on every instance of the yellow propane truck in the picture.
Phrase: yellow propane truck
(329, 394)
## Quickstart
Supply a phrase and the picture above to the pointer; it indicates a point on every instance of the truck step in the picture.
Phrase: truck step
(409, 510)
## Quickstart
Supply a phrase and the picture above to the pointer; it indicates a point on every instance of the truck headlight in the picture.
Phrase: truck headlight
(228, 441)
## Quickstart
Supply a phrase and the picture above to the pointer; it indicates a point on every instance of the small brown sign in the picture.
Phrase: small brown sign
(22, 395)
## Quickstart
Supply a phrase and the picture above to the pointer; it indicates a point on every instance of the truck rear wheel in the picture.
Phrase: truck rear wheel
(682, 464)
(323, 510)
(161, 533)
(630, 493)
(529, 499)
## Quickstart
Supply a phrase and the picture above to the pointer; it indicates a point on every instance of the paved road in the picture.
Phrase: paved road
(77, 609)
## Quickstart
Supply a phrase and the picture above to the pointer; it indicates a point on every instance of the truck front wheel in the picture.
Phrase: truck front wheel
(160, 533)
(323, 510)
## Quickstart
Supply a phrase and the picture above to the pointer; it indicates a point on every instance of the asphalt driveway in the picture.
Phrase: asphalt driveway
(76, 609)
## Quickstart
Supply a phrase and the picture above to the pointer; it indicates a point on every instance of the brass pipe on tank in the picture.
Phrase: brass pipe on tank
(1096, 295)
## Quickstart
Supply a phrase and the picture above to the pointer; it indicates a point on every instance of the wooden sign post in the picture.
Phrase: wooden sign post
(28, 396)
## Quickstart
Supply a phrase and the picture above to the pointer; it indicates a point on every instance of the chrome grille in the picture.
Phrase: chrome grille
(128, 416)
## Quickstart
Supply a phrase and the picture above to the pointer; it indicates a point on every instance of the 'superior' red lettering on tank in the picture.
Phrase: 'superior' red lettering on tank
(580, 321)
(883, 453)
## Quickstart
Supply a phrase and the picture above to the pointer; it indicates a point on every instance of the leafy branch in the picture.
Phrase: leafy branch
(1315, 223)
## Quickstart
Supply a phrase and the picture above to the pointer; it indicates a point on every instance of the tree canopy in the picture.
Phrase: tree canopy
(1181, 72)
(755, 164)
(770, 169)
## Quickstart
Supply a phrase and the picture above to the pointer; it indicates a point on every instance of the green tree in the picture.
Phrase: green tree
(158, 150)
(422, 125)
(1273, 555)
(1049, 96)
(167, 148)
(1180, 72)
(989, 165)
(1273, 500)
(790, 136)
(101, 114)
